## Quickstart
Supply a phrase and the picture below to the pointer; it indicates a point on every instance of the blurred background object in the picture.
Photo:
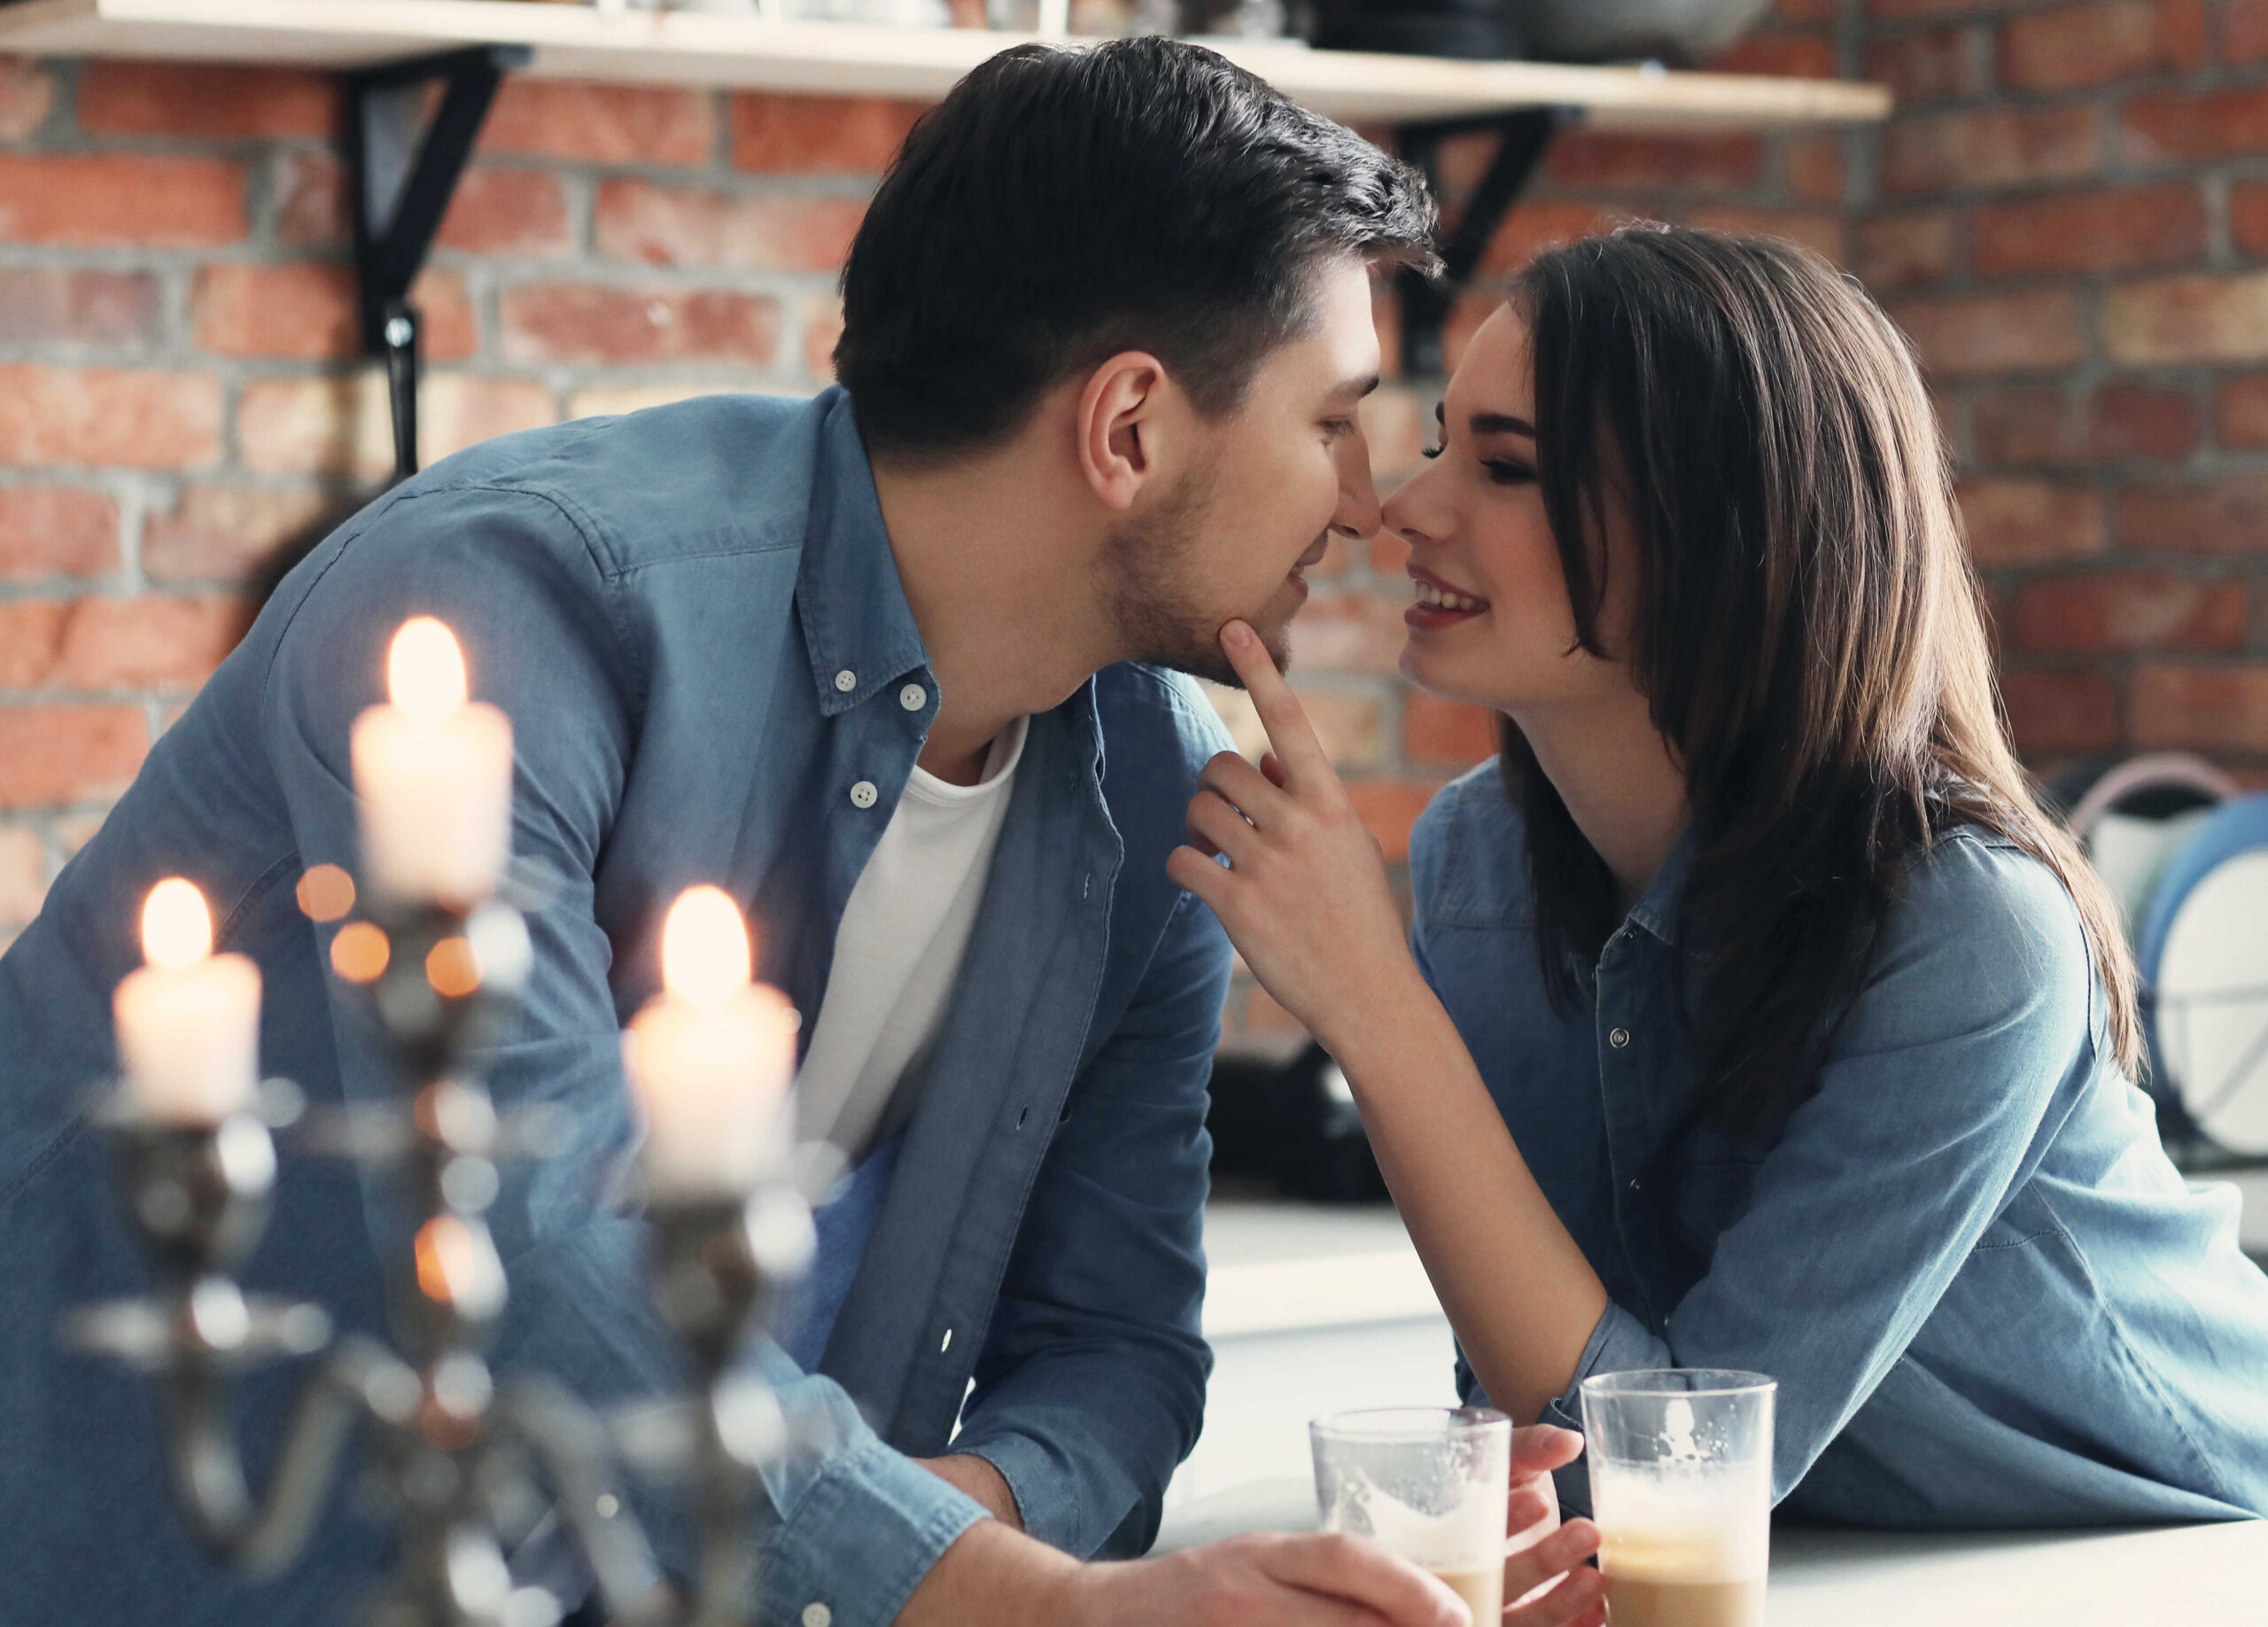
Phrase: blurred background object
(1678, 33)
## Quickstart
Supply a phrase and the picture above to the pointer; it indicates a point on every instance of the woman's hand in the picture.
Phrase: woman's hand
(1548, 1581)
(1305, 896)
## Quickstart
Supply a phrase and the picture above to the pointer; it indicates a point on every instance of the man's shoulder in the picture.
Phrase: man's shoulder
(715, 474)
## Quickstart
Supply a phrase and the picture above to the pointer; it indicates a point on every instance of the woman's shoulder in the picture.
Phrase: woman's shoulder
(1984, 930)
(1468, 854)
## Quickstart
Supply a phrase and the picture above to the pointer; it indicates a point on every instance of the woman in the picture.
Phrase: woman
(1757, 1016)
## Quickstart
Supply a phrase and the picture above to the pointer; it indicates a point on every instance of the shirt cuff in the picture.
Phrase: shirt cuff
(1045, 1499)
(1618, 1343)
(861, 1535)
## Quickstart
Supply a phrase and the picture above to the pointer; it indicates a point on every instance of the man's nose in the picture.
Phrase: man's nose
(1358, 514)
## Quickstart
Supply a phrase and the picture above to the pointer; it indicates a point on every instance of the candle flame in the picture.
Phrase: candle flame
(425, 669)
(705, 954)
(176, 927)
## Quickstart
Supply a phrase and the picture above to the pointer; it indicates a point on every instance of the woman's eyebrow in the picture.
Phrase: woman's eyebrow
(1501, 423)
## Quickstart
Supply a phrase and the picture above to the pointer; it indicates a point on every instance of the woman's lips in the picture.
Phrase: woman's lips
(1440, 604)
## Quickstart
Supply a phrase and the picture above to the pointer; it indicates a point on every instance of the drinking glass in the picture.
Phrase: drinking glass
(1429, 1485)
(1680, 1471)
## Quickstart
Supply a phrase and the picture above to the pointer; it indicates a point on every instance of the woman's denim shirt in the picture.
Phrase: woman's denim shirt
(1988, 1297)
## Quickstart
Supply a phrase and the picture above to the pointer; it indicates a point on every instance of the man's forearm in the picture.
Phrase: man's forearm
(993, 1576)
(967, 1472)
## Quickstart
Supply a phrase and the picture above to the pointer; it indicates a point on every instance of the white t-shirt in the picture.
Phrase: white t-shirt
(898, 950)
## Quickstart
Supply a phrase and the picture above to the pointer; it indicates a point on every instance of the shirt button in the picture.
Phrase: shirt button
(913, 698)
(1637, 1186)
(817, 1615)
(864, 794)
(1619, 1038)
(846, 681)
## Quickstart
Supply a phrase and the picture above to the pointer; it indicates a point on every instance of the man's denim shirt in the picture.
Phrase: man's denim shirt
(1988, 1297)
(693, 620)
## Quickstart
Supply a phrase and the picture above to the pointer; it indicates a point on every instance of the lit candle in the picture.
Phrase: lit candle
(188, 1022)
(711, 1057)
(433, 772)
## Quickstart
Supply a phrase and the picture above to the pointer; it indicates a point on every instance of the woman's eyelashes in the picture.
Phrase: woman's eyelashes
(1508, 470)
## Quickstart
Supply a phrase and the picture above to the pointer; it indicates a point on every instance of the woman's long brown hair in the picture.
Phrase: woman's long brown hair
(1808, 630)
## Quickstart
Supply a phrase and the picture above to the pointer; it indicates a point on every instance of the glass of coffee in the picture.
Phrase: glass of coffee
(1680, 1471)
(1429, 1485)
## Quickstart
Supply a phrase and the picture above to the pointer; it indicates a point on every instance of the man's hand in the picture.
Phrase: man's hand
(965, 1471)
(993, 1577)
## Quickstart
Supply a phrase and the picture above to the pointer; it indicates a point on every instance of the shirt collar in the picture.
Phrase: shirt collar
(855, 617)
(1659, 907)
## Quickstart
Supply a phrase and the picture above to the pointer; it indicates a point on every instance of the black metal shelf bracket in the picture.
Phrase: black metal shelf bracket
(1522, 137)
(399, 182)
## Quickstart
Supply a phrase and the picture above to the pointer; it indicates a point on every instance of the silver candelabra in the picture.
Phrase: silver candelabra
(466, 1464)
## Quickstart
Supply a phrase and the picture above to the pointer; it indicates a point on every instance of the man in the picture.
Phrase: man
(889, 666)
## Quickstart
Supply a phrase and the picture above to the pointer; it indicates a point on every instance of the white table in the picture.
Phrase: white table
(1312, 1308)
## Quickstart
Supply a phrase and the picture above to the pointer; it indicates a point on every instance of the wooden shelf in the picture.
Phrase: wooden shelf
(696, 48)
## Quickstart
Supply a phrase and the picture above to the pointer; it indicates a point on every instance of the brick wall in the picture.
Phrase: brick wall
(179, 390)
(2070, 217)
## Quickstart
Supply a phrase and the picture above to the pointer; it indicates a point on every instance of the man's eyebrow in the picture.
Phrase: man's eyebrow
(1357, 387)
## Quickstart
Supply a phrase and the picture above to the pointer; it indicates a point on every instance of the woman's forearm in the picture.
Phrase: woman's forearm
(1518, 1291)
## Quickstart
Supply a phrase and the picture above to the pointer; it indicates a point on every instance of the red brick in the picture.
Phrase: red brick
(307, 312)
(26, 94)
(2060, 710)
(2018, 520)
(599, 324)
(2244, 31)
(23, 875)
(1388, 808)
(310, 200)
(1713, 163)
(2023, 423)
(224, 534)
(1928, 65)
(1914, 245)
(601, 124)
(338, 426)
(2101, 42)
(205, 101)
(150, 642)
(43, 304)
(2109, 230)
(822, 329)
(2193, 317)
(52, 756)
(2241, 410)
(31, 633)
(1531, 228)
(108, 415)
(2201, 708)
(502, 210)
(2137, 420)
(2248, 216)
(1780, 52)
(1960, 335)
(812, 135)
(2113, 611)
(1816, 171)
(1443, 732)
(1822, 231)
(1351, 631)
(57, 530)
(121, 201)
(2229, 516)
(2192, 125)
(1992, 147)
(686, 226)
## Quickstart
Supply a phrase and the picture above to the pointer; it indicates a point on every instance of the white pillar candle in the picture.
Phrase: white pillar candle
(710, 1058)
(433, 774)
(188, 1021)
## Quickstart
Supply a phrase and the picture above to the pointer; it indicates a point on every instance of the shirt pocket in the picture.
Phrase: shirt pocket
(1709, 1193)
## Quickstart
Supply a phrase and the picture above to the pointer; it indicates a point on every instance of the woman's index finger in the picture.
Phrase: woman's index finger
(1280, 711)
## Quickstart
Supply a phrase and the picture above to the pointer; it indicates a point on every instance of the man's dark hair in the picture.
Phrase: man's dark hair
(1062, 204)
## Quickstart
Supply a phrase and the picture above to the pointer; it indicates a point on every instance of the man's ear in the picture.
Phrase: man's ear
(1122, 424)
